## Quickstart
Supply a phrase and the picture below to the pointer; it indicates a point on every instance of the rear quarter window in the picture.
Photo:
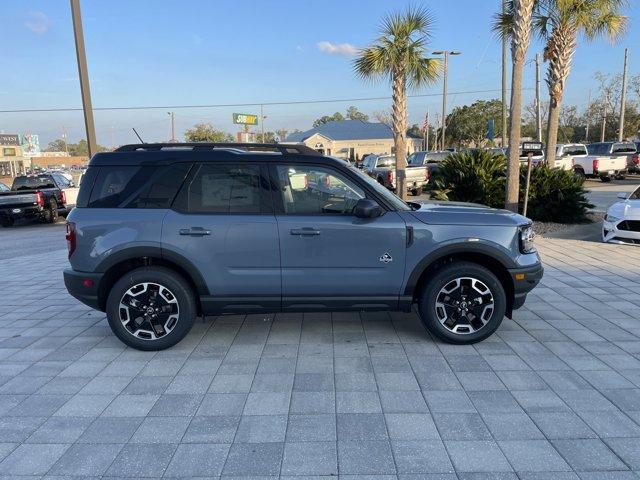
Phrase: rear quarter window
(116, 184)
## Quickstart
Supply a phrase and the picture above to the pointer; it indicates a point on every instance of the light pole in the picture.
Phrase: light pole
(623, 97)
(83, 73)
(173, 126)
(446, 54)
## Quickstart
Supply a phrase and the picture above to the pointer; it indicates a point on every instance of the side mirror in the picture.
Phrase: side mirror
(622, 195)
(367, 208)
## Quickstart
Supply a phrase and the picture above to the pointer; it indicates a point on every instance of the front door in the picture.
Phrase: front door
(330, 258)
(223, 224)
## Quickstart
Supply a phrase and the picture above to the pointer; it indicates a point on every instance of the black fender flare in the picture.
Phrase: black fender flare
(467, 246)
(159, 253)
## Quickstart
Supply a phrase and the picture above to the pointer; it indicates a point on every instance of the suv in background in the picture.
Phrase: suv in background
(164, 232)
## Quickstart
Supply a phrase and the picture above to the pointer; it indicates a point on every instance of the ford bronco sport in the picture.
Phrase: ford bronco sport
(163, 233)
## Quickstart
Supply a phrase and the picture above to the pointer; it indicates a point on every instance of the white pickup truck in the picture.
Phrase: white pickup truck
(606, 160)
(566, 153)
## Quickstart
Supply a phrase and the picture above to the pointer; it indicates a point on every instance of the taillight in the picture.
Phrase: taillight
(573, 162)
(63, 197)
(596, 164)
(306, 181)
(426, 174)
(636, 159)
(39, 199)
(71, 237)
(390, 177)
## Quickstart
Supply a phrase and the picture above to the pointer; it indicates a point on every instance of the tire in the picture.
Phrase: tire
(620, 177)
(605, 179)
(580, 173)
(7, 222)
(415, 192)
(51, 214)
(467, 274)
(181, 308)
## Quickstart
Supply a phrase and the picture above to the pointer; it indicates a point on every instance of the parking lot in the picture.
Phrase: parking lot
(554, 394)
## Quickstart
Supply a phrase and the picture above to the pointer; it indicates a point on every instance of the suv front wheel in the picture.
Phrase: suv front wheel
(151, 308)
(462, 303)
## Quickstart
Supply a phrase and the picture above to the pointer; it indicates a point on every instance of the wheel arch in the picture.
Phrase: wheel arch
(489, 257)
(125, 261)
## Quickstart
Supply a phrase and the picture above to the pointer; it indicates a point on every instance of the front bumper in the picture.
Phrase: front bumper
(79, 287)
(524, 280)
(612, 234)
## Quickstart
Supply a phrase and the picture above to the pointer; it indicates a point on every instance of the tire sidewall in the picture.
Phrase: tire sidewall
(162, 276)
(443, 276)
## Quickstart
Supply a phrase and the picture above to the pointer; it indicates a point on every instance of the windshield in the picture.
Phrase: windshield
(381, 190)
(635, 195)
(33, 183)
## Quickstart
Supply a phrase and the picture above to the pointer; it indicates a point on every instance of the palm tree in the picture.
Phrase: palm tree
(515, 23)
(399, 55)
(561, 22)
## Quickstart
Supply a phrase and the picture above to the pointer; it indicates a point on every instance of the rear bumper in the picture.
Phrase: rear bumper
(21, 212)
(78, 287)
(524, 280)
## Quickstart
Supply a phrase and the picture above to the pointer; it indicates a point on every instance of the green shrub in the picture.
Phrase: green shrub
(554, 195)
(476, 176)
(479, 177)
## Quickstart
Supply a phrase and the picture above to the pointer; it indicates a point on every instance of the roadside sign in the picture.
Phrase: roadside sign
(490, 130)
(245, 119)
(532, 146)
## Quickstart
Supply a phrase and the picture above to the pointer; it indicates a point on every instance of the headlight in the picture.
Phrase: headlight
(611, 218)
(526, 235)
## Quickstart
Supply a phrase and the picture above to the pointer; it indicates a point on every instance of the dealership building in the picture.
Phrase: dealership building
(352, 139)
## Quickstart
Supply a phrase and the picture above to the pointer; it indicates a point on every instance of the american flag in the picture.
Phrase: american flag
(425, 124)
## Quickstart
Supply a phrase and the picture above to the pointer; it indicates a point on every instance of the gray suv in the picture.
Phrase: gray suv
(163, 233)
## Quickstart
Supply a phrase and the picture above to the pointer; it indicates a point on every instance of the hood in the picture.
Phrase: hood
(461, 213)
(625, 209)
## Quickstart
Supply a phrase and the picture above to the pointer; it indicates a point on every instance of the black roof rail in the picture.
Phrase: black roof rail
(284, 149)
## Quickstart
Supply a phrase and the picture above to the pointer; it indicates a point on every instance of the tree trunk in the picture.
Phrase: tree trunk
(559, 53)
(399, 119)
(521, 36)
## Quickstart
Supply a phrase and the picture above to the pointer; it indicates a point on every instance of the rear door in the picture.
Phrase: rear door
(222, 222)
(329, 257)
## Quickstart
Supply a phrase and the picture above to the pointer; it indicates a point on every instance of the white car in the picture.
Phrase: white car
(622, 222)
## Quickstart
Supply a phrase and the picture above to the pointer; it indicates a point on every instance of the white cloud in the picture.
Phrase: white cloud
(338, 48)
(38, 22)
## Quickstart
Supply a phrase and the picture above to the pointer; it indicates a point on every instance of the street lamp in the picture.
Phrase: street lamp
(446, 54)
(173, 126)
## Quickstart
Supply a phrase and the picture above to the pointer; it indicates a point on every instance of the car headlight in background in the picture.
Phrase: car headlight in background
(611, 218)
(526, 235)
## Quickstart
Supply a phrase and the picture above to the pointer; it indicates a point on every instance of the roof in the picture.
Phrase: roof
(347, 130)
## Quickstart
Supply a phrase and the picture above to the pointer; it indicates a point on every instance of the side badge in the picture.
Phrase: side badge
(386, 258)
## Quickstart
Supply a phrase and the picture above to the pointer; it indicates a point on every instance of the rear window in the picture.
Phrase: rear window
(132, 186)
(416, 159)
(624, 148)
(33, 182)
(385, 162)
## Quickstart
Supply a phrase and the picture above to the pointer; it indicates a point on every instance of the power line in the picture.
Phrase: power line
(224, 105)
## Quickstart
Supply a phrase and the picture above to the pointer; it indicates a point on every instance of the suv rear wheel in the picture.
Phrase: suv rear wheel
(462, 303)
(151, 308)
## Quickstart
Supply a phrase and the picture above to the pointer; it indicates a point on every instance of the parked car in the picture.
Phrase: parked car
(43, 197)
(537, 156)
(633, 161)
(159, 237)
(431, 160)
(3, 187)
(383, 169)
(622, 222)
(606, 160)
(566, 153)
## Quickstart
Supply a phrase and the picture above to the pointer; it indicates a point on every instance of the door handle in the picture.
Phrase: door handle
(194, 232)
(305, 231)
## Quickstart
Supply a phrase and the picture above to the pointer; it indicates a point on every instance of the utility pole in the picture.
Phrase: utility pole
(538, 115)
(604, 117)
(84, 77)
(173, 126)
(504, 83)
(623, 97)
(66, 141)
(586, 133)
(446, 54)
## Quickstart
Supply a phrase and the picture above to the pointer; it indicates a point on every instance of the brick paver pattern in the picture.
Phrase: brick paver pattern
(553, 394)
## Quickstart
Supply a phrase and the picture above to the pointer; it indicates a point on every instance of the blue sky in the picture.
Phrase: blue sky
(170, 52)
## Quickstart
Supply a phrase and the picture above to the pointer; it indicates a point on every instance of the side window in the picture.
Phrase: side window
(60, 180)
(116, 184)
(162, 188)
(316, 190)
(222, 188)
